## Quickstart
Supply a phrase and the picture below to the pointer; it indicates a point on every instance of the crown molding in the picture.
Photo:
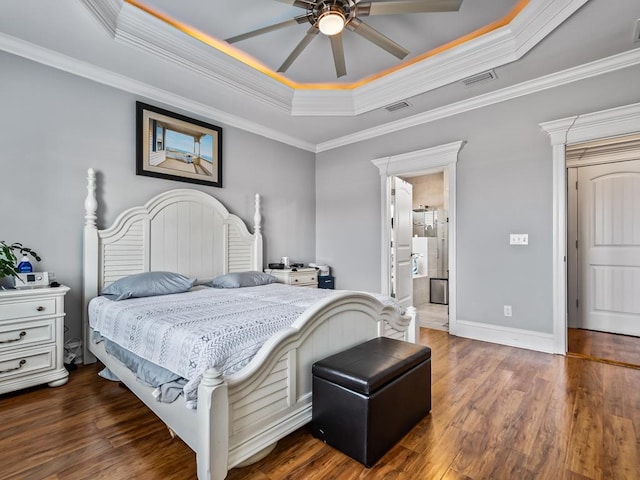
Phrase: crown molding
(494, 49)
(106, 12)
(103, 76)
(76, 67)
(574, 74)
(614, 122)
(128, 24)
(540, 21)
(143, 31)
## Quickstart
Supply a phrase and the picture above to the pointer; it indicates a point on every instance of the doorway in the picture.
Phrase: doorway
(442, 158)
(563, 132)
(603, 237)
(429, 253)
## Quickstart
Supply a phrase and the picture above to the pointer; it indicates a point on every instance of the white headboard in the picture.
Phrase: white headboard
(184, 231)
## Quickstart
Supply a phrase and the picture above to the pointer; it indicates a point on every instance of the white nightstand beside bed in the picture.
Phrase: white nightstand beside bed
(298, 277)
(240, 417)
(32, 338)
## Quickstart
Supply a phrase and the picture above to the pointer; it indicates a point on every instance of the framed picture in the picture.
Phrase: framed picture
(175, 147)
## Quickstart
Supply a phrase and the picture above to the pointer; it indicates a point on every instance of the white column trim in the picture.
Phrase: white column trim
(419, 162)
(566, 131)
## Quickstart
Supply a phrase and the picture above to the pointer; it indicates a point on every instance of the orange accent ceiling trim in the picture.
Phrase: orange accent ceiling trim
(252, 62)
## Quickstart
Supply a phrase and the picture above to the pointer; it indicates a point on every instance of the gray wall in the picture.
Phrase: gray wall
(504, 186)
(54, 126)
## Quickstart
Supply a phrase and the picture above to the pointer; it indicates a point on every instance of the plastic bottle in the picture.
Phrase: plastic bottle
(25, 265)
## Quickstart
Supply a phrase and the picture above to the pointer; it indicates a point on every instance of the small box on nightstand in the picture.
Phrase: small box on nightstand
(326, 281)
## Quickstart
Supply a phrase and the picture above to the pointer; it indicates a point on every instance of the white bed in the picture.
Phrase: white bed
(239, 418)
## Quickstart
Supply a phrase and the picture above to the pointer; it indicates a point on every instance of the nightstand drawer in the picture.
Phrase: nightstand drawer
(27, 362)
(302, 278)
(21, 334)
(30, 308)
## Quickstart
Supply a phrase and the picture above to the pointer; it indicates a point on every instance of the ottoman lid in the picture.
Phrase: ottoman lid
(369, 366)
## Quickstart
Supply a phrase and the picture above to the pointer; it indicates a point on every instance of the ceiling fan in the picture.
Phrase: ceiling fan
(331, 17)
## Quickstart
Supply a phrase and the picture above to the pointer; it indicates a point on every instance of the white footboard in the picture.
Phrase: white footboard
(271, 397)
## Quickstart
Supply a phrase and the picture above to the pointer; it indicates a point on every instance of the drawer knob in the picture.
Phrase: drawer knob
(40, 308)
(20, 365)
(21, 336)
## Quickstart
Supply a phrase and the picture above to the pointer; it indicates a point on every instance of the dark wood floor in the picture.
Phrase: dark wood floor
(498, 413)
(611, 347)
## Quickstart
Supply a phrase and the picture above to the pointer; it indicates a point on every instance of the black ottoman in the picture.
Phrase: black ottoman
(368, 397)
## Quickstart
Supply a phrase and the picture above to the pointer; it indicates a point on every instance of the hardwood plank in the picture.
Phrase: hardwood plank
(603, 346)
(498, 413)
(586, 441)
(620, 452)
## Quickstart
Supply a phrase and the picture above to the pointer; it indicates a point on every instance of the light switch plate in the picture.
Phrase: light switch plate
(519, 239)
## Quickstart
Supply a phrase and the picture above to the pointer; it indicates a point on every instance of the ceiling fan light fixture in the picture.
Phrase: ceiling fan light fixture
(331, 21)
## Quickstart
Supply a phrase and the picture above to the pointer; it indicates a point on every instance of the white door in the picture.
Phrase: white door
(401, 243)
(609, 247)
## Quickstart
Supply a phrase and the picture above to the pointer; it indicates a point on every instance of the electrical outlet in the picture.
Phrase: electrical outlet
(507, 311)
(519, 239)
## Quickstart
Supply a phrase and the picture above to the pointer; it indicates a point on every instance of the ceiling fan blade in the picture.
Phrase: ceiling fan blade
(374, 36)
(299, 3)
(276, 26)
(311, 34)
(407, 6)
(338, 54)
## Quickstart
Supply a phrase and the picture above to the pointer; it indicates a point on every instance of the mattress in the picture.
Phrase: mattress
(189, 332)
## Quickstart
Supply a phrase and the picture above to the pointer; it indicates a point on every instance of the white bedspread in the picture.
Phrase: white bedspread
(189, 332)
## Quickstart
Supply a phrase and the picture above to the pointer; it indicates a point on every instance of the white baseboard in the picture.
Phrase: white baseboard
(434, 325)
(513, 337)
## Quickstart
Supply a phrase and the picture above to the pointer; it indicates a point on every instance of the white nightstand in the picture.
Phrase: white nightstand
(299, 277)
(32, 338)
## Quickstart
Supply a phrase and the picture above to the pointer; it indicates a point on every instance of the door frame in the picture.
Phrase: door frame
(420, 162)
(563, 132)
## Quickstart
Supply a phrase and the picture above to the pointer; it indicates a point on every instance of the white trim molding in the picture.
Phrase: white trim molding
(126, 23)
(491, 50)
(567, 131)
(419, 162)
(86, 70)
(111, 79)
(553, 80)
(514, 337)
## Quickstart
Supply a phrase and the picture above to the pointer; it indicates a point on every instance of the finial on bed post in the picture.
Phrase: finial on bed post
(257, 232)
(90, 203)
(257, 217)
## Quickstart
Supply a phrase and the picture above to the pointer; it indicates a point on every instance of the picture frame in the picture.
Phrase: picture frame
(176, 147)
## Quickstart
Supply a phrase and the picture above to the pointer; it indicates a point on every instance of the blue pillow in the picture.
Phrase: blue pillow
(243, 279)
(148, 284)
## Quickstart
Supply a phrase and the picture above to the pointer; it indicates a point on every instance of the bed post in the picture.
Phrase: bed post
(90, 261)
(212, 455)
(257, 231)
(413, 329)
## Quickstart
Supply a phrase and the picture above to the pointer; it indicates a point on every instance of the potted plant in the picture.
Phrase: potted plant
(8, 258)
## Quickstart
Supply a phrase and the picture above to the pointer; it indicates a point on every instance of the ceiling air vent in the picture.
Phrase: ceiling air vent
(483, 77)
(397, 106)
